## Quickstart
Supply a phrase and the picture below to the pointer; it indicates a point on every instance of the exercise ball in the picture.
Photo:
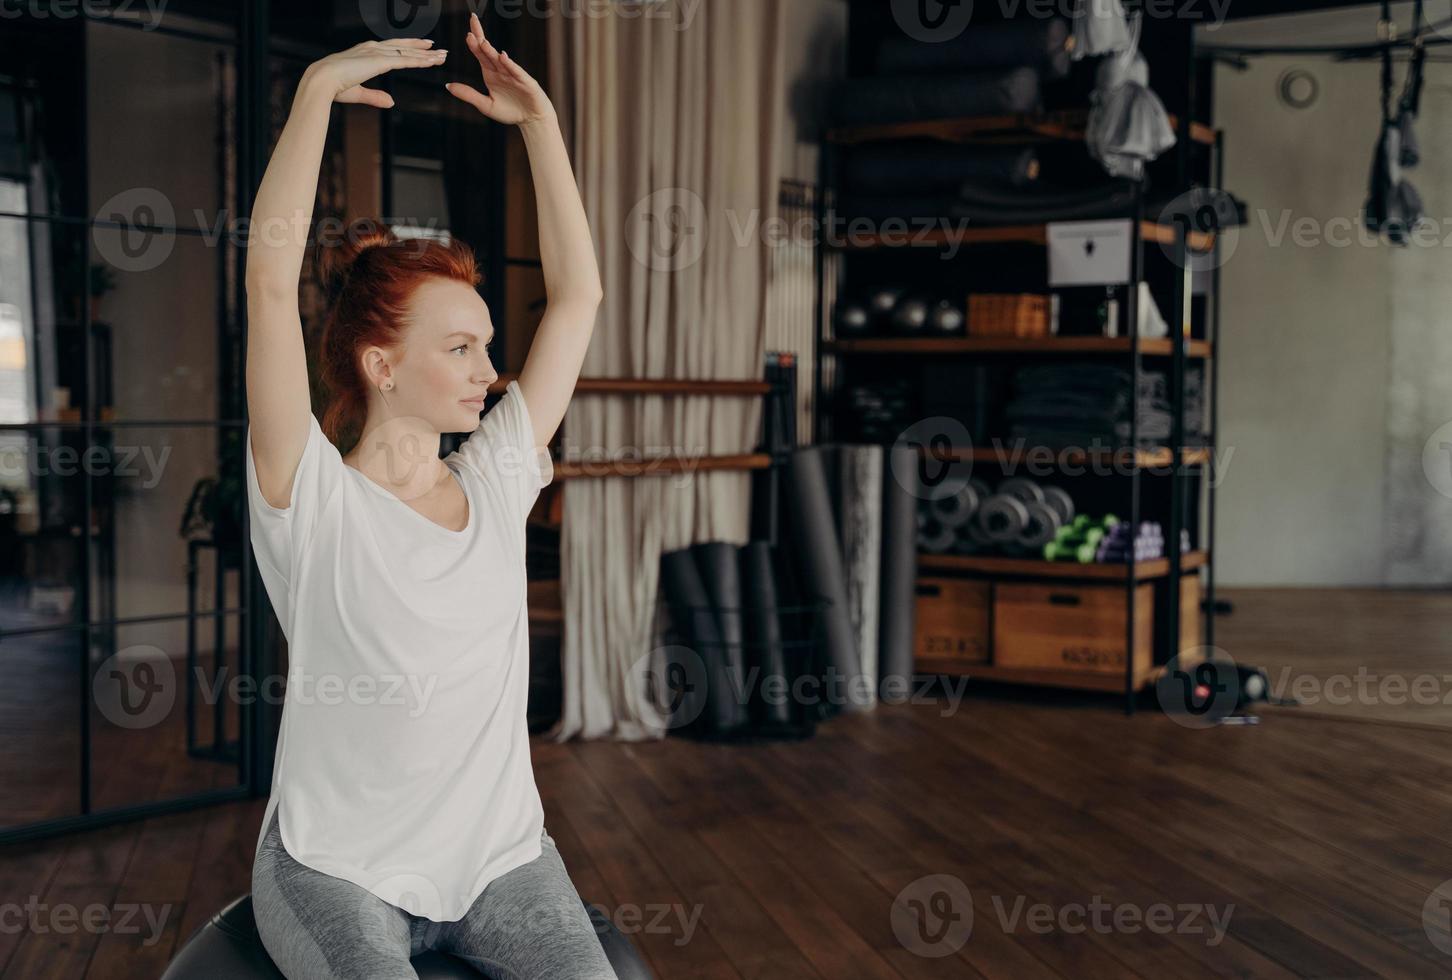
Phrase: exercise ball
(228, 948)
(911, 315)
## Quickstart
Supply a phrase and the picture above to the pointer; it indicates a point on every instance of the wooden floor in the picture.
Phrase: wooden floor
(1321, 839)
(1349, 653)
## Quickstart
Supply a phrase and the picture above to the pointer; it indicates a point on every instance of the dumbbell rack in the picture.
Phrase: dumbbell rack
(1191, 462)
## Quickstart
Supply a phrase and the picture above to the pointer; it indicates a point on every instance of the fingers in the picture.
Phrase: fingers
(475, 98)
(407, 42)
(367, 96)
(409, 58)
(487, 61)
(375, 98)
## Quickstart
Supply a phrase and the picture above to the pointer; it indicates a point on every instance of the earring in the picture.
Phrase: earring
(388, 386)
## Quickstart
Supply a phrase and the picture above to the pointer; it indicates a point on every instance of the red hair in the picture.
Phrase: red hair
(369, 274)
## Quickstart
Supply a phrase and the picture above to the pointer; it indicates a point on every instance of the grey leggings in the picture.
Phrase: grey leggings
(527, 923)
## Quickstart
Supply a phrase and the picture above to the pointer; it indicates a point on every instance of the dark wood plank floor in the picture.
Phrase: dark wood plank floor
(1321, 839)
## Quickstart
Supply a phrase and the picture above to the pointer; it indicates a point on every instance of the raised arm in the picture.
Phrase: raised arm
(571, 274)
(278, 404)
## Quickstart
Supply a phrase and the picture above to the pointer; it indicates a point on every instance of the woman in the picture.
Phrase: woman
(404, 814)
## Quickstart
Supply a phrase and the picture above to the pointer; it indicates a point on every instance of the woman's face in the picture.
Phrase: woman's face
(442, 370)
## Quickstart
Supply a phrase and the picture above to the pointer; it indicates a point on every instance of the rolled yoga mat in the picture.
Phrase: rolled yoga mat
(901, 491)
(940, 167)
(1035, 43)
(813, 536)
(904, 98)
(690, 611)
(859, 529)
(765, 653)
(726, 703)
(1041, 202)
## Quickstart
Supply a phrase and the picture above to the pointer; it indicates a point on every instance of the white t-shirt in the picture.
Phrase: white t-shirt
(403, 762)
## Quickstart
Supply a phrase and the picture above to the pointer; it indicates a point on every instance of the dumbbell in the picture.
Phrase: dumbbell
(946, 318)
(853, 319)
(910, 316)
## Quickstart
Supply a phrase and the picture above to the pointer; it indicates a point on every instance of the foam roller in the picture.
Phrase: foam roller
(764, 635)
(814, 540)
(898, 607)
(726, 705)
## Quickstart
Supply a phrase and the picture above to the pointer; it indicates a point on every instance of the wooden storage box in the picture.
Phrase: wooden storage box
(1077, 628)
(1192, 618)
(953, 616)
(1008, 315)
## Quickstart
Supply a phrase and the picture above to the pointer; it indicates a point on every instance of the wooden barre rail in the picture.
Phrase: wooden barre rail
(653, 386)
(660, 465)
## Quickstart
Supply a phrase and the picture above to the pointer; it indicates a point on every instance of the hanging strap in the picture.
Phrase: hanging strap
(1385, 27)
(1411, 100)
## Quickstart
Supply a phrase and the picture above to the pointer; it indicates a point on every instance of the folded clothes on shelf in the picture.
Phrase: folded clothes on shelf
(932, 167)
(906, 98)
(1089, 406)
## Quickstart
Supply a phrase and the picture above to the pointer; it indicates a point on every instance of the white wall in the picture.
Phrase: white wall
(1327, 393)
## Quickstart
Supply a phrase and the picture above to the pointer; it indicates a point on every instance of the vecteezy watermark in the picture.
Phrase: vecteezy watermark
(653, 918)
(675, 681)
(941, 464)
(1199, 687)
(945, 20)
(136, 229)
(121, 918)
(668, 230)
(1362, 688)
(135, 687)
(144, 463)
(1114, 918)
(680, 13)
(932, 20)
(1437, 917)
(1103, 459)
(400, 18)
(146, 12)
(410, 691)
(1437, 459)
(933, 916)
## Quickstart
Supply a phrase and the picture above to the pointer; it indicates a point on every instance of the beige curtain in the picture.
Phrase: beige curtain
(672, 112)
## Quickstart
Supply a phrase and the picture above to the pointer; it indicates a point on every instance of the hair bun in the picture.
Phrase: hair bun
(339, 253)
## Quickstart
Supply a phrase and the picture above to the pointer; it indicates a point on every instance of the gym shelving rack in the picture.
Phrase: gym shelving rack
(1191, 462)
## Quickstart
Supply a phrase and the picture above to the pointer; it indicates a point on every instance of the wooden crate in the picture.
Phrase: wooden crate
(1008, 315)
(1071, 627)
(953, 617)
(1192, 618)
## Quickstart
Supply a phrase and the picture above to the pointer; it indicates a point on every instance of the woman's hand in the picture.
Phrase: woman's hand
(344, 73)
(514, 97)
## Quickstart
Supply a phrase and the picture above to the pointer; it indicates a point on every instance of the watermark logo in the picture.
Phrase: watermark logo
(135, 687)
(1437, 459)
(933, 916)
(933, 473)
(136, 229)
(400, 18)
(1192, 211)
(667, 230)
(147, 13)
(414, 893)
(674, 680)
(123, 918)
(1437, 917)
(932, 20)
(1199, 687)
